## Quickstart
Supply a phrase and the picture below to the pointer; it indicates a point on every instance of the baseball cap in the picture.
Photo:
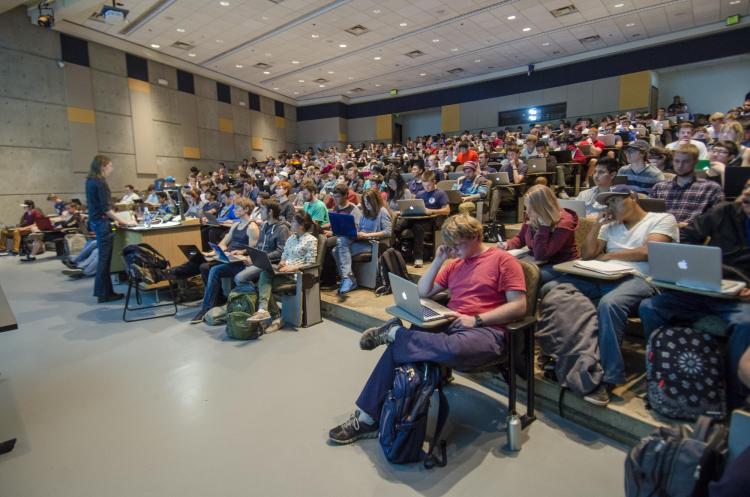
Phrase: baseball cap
(284, 174)
(615, 191)
(641, 145)
(469, 164)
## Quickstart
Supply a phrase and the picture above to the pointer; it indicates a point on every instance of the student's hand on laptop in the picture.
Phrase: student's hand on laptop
(465, 320)
(363, 235)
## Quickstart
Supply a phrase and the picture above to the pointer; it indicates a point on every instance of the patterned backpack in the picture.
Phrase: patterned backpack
(685, 373)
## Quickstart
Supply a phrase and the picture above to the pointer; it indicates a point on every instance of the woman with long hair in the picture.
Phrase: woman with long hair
(101, 217)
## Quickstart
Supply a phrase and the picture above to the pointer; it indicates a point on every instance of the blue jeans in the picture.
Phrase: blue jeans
(88, 266)
(213, 282)
(456, 347)
(85, 252)
(248, 275)
(616, 301)
(345, 249)
(105, 242)
(685, 308)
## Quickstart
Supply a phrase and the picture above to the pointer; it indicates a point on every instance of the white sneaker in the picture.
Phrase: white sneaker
(418, 263)
(261, 315)
(275, 325)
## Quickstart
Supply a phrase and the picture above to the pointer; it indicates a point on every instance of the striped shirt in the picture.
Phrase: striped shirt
(644, 180)
(688, 201)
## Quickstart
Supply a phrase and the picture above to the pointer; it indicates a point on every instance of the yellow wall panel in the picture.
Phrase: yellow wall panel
(139, 86)
(191, 152)
(280, 123)
(82, 116)
(342, 137)
(256, 143)
(384, 127)
(635, 90)
(226, 125)
(450, 118)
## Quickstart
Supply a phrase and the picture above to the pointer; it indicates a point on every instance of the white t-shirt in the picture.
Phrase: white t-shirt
(618, 237)
(703, 152)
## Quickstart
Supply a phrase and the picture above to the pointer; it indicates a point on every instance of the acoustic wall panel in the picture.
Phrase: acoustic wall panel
(384, 127)
(143, 126)
(226, 130)
(450, 118)
(79, 95)
(187, 110)
(635, 90)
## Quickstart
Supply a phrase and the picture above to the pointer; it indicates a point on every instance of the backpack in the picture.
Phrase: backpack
(143, 263)
(391, 261)
(676, 461)
(241, 305)
(403, 419)
(216, 316)
(74, 244)
(685, 373)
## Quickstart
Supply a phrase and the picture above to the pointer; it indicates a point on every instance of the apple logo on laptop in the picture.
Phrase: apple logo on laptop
(403, 296)
(682, 265)
(411, 207)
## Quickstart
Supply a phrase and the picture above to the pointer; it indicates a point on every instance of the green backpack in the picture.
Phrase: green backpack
(241, 305)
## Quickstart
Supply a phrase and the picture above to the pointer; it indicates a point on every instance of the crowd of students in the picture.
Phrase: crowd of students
(281, 205)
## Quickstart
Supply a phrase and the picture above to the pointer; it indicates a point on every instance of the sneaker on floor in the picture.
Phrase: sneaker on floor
(352, 430)
(275, 325)
(4, 252)
(374, 337)
(73, 273)
(69, 264)
(347, 285)
(198, 318)
(261, 315)
(110, 298)
(599, 397)
(418, 263)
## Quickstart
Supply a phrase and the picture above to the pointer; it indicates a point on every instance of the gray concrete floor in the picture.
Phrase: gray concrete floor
(162, 408)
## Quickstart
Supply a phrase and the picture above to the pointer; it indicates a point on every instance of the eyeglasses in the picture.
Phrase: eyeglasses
(719, 150)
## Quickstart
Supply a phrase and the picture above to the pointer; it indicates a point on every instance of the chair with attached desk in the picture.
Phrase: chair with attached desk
(139, 280)
(300, 296)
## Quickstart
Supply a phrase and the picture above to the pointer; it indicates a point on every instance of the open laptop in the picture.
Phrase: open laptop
(498, 178)
(577, 206)
(734, 180)
(342, 224)
(223, 256)
(406, 296)
(190, 251)
(454, 196)
(562, 156)
(211, 219)
(412, 207)
(536, 165)
(691, 266)
(260, 259)
(455, 175)
(653, 204)
(607, 140)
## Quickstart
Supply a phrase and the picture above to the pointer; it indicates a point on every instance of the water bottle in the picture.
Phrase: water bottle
(513, 428)
(146, 218)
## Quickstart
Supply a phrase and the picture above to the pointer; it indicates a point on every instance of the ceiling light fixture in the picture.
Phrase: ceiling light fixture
(342, 45)
(300, 81)
(378, 84)
(350, 78)
(315, 36)
(454, 50)
(321, 86)
(266, 72)
(423, 74)
(191, 55)
(275, 88)
(295, 62)
(734, 2)
(526, 29)
(155, 45)
(436, 40)
(545, 44)
(180, 30)
(219, 41)
(630, 25)
(477, 60)
(330, 72)
(224, 4)
(403, 24)
(619, 5)
(377, 57)
(511, 18)
(239, 66)
(376, 11)
(296, 93)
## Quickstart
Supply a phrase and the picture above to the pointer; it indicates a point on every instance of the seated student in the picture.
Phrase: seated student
(130, 195)
(211, 206)
(472, 186)
(604, 173)
(466, 154)
(243, 232)
(194, 204)
(83, 264)
(151, 197)
(396, 190)
(621, 235)
(353, 179)
(726, 226)
(529, 148)
(685, 137)
(58, 204)
(549, 232)
(226, 215)
(375, 183)
(415, 184)
(512, 165)
(687, 196)
(313, 206)
(723, 154)
(341, 205)
(282, 191)
(165, 207)
(661, 159)
(436, 204)
(641, 175)
(25, 226)
(488, 290)
(375, 224)
(301, 249)
(272, 236)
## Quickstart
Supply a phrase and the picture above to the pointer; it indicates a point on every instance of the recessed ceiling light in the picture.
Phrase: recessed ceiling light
(376, 11)
(239, 66)
(377, 57)
(423, 74)
(264, 18)
(378, 84)
(630, 25)
(267, 54)
(321, 86)
(436, 40)
(477, 60)
(224, 4)
(545, 44)
(330, 72)
(296, 93)
(526, 29)
(734, 2)
(403, 24)
(454, 50)
(342, 45)
(266, 72)
(511, 18)
(295, 62)
(275, 88)
(618, 5)
(155, 45)
(180, 30)
(350, 77)
(191, 55)
(219, 41)
(300, 81)
(315, 36)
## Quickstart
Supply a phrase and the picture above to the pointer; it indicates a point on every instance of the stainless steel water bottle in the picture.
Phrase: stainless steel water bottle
(513, 429)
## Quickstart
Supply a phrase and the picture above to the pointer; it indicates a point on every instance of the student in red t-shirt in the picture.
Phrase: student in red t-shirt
(29, 218)
(487, 289)
(466, 154)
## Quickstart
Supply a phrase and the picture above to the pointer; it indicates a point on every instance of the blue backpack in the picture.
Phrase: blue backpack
(403, 420)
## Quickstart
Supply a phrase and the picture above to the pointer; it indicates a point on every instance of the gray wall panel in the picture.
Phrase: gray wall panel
(107, 59)
(111, 93)
(267, 105)
(205, 88)
(24, 75)
(168, 139)
(208, 113)
(158, 71)
(164, 104)
(114, 133)
(29, 124)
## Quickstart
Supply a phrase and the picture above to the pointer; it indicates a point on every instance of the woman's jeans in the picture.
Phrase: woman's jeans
(105, 243)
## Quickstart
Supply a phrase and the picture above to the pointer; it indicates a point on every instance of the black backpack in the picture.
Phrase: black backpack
(391, 261)
(403, 419)
(143, 263)
(685, 373)
(677, 461)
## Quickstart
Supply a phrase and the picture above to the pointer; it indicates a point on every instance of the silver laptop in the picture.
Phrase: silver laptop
(536, 165)
(414, 207)
(692, 266)
(406, 296)
(577, 206)
(498, 178)
(607, 140)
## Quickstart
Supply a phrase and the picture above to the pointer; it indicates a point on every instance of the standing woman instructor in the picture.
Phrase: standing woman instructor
(101, 216)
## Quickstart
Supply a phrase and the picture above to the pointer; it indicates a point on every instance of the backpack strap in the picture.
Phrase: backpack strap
(701, 428)
(431, 459)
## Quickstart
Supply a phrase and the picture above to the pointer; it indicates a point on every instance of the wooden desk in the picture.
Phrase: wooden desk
(398, 312)
(7, 319)
(570, 268)
(163, 239)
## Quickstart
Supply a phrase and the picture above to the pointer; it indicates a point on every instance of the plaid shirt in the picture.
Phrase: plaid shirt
(689, 201)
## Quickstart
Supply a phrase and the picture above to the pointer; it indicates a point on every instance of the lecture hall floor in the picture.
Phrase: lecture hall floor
(160, 408)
